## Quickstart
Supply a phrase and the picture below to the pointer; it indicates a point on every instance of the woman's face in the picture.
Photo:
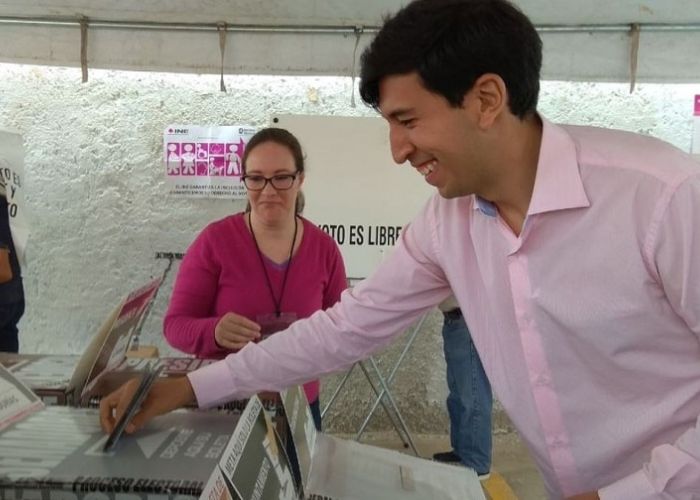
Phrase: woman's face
(270, 159)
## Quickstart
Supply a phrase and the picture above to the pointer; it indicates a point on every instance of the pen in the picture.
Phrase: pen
(144, 387)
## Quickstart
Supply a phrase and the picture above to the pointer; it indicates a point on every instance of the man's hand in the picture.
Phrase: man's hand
(591, 495)
(234, 331)
(165, 395)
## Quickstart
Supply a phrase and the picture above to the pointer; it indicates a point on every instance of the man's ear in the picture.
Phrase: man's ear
(489, 97)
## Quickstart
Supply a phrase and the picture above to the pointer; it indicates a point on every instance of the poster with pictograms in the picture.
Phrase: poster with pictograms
(205, 161)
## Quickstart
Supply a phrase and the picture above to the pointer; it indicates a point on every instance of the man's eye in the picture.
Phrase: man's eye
(407, 122)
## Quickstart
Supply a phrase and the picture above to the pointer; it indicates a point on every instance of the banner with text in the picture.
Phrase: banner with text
(354, 190)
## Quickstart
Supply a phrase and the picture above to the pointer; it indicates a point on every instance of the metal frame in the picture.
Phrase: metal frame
(382, 393)
(67, 21)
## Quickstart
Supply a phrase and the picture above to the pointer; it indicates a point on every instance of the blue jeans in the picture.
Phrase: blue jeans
(470, 401)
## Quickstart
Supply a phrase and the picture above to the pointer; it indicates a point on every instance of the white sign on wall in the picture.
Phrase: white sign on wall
(354, 190)
(12, 183)
(205, 162)
(695, 147)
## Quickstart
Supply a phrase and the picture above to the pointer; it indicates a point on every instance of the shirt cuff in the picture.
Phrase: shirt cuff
(212, 384)
(636, 485)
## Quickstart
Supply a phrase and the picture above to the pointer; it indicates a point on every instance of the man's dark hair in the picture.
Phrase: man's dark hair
(450, 44)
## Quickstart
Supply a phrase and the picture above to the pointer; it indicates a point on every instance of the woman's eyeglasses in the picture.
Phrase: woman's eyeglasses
(279, 182)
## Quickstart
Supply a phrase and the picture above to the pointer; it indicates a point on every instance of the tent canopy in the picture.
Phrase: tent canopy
(583, 40)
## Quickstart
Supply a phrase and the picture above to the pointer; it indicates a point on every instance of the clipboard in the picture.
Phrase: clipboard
(149, 377)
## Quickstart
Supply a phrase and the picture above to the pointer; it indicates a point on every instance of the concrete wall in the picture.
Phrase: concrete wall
(99, 212)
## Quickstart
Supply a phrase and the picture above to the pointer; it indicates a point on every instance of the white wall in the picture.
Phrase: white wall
(98, 207)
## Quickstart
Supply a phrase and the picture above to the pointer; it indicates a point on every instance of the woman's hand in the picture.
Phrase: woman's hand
(234, 331)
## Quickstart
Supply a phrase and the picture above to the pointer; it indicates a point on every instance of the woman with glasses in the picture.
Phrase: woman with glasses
(251, 274)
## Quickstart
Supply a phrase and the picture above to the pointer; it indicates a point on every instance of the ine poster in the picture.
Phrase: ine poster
(205, 161)
(12, 184)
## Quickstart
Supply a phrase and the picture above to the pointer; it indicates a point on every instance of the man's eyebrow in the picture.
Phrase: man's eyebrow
(395, 114)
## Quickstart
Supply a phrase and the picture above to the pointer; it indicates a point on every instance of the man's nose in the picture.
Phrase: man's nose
(401, 147)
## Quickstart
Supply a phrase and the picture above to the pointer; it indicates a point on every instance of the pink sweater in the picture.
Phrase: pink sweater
(221, 273)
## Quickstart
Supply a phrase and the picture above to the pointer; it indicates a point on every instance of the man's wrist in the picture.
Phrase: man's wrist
(186, 392)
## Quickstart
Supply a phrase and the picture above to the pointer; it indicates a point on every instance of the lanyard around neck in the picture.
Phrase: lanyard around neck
(278, 303)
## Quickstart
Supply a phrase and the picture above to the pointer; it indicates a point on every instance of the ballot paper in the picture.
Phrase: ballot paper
(337, 469)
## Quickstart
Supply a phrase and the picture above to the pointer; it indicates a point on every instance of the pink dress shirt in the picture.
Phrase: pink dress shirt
(587, 323)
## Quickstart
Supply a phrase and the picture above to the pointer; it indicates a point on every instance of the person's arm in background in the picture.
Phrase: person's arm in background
(5, 267)
(189, 324)
(673, 469)
(5, 238)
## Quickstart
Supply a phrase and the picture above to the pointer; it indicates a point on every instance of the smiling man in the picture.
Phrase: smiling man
(572, 251)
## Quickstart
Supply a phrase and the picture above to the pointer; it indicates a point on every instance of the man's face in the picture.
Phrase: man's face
(440, 141)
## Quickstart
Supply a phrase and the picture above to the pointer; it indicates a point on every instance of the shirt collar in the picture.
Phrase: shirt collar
(558, 184)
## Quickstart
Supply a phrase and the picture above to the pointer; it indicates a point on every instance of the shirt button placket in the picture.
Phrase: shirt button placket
(545, 398)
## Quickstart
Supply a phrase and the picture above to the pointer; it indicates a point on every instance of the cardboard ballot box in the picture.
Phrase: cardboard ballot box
(51, 377)
(255, 465)
(61, 379)
(57, 453)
